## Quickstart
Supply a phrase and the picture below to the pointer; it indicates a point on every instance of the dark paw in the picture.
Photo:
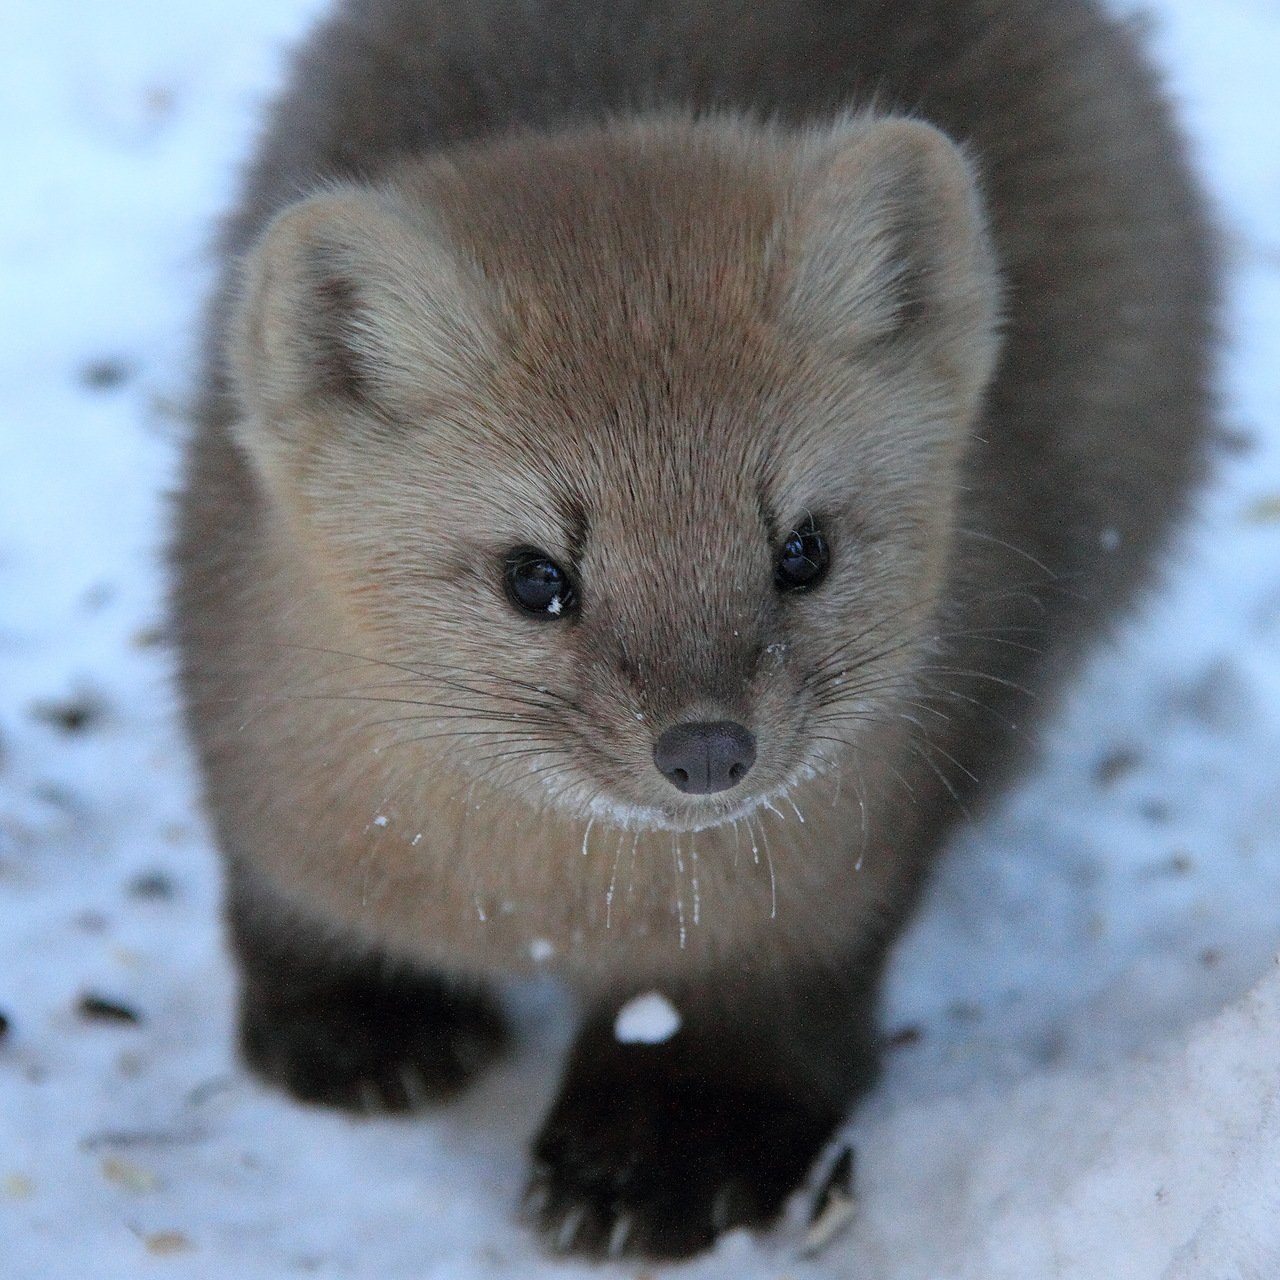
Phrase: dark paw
(369, 1044)
(659, 1167)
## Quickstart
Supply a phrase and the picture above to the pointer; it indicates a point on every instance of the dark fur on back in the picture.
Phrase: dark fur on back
(1087, 449)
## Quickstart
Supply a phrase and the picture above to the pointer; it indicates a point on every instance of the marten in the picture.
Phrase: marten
(655, 464)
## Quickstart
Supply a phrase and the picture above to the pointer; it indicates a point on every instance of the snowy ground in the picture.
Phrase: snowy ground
(1078, 1091)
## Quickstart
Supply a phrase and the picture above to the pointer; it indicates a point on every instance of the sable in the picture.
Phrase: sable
(654, 466)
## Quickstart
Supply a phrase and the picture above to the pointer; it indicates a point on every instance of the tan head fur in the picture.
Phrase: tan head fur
(648, 351)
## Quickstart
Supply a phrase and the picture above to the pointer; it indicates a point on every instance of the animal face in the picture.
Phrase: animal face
(634, 452)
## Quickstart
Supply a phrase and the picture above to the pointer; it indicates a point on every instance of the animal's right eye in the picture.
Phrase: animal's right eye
(538, 586)
(804, 558)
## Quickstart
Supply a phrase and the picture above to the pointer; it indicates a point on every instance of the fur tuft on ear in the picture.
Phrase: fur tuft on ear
(349, 303)
(890, 245)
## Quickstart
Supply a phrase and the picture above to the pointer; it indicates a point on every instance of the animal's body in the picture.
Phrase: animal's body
(645, 488)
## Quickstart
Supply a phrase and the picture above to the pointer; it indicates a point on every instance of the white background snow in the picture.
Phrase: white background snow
(1080, 1085)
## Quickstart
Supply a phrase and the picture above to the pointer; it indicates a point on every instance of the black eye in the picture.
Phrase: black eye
(537, 585)
(804, 558)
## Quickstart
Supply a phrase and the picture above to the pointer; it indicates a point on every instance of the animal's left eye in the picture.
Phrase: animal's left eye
(804, 558)
(538, 586)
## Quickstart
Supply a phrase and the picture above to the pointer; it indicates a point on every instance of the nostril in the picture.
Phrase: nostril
(701, 758)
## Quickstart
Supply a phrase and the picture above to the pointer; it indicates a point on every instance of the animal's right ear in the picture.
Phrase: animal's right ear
(349, 307)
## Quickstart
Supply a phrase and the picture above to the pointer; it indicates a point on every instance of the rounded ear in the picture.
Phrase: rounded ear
(349, 302)
(890, 244)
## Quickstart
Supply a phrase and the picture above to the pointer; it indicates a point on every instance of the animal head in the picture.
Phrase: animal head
(635, 448)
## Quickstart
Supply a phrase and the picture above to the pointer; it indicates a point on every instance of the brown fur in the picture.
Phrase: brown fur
(499, 281)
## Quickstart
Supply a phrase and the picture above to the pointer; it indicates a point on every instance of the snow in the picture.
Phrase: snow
(1086, 1016)
(646, 1019)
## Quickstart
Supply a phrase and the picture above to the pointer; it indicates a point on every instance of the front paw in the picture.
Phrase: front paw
(368, 1045)
(660, 1164)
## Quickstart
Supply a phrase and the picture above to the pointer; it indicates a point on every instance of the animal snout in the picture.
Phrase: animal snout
(703, 758)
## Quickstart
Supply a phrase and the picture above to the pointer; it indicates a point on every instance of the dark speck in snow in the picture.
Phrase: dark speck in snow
(71, 715)
(1115, 765)
(95, 1008)
(904, 1037)
(105, 374)
(153, 886)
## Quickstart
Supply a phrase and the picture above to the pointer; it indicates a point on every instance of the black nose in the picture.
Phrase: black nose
(704, 758)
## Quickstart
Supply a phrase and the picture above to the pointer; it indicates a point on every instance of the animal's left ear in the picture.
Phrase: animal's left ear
(889, 245)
